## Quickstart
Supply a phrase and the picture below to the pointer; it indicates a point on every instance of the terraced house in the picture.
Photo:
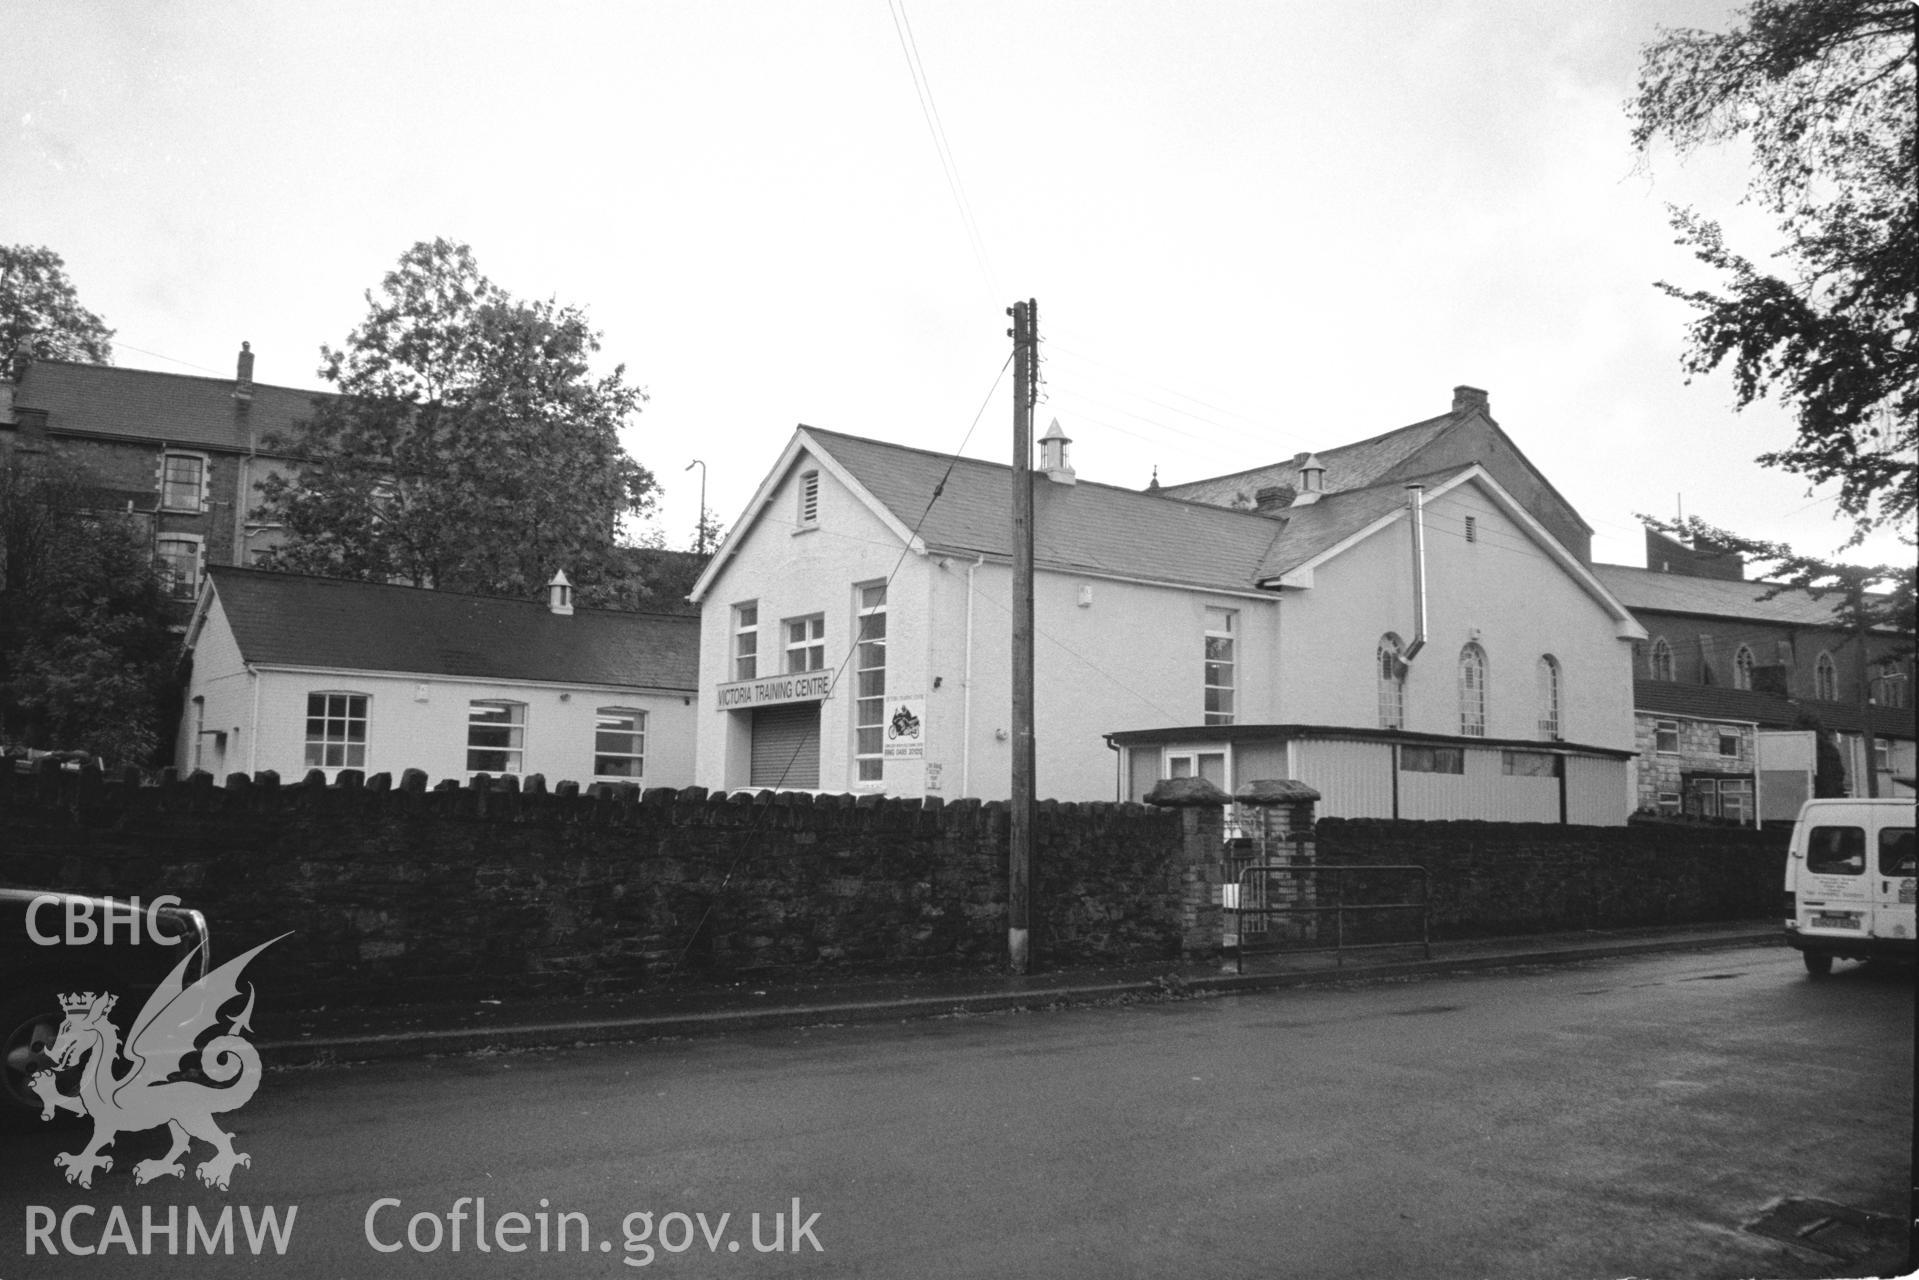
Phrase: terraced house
(1409, 624)
(181, 456)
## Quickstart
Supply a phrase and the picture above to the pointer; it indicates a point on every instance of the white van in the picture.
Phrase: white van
(1850, 880)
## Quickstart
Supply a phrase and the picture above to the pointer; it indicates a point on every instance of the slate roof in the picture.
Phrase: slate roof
(1351, 466)
(146, 405)
(1769, 710)
(284, 619)
(1101, 528)
(1716, 597)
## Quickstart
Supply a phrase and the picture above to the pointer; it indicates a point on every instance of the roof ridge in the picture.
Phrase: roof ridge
(216, 379)
(1007, 467)
(250, 571)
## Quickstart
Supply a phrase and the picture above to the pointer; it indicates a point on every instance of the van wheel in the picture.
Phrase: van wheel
(1818, 963)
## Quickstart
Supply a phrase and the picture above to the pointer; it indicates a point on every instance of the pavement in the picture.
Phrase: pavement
(364, 1033)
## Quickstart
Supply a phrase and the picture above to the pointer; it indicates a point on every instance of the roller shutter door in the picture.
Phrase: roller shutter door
(786, 746)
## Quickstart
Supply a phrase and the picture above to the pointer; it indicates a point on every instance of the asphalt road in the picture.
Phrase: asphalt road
(1617, 1118)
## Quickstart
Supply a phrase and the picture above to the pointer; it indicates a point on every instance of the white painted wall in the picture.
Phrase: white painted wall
(415, 722)
(1504, 586)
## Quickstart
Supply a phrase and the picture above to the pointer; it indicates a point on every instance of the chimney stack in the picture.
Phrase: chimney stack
(1273, 499)
(559, 595)
(1467, 399)
(243, 381)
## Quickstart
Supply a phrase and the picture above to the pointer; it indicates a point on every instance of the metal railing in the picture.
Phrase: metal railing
(1249, 899)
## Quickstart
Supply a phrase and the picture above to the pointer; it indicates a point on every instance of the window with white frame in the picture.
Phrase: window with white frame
(495, 737)
(183, 481)
(1659, 659)
(1472, 691)
(619, 744)
(869, 683)
(178, 555)
(336, 730)
(1549, 698)
(1209, 764)
(808, 513)
(1742, 668)
(1825, 678)
(805, 643)
(1221, 628)
(1665, 737)
(1390, 666)
(746, 640)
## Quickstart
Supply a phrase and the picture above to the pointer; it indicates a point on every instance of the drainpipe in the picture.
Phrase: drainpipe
(966, 690)
(1418, 492)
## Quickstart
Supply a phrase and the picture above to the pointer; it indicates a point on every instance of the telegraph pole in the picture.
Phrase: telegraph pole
(1019, 853)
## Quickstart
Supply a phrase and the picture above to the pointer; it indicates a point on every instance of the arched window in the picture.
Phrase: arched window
(1659, 660)
(1390, 667)
(1549, 698)
(1742, 668)
(1472, 691)
(1825, 678)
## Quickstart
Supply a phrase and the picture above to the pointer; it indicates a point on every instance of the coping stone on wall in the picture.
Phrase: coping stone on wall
(1274, 791)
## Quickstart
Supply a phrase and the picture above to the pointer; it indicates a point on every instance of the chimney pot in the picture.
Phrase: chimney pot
(559, 595)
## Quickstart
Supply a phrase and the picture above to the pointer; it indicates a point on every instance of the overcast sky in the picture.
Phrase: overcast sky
(1251, 228)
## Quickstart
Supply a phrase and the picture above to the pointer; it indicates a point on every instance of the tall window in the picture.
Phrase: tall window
(1665, 737)
(869, 685)
(336, 731)
(746, 641)
(805, 643)
(1889, 686)
(1220, 630)
(495, 737)
(1391, 668)
(1742, 668)
(1472, 691)
(1549, 698)
(1825, 678)
(1659, 660)
(809, 499)
(183, 481)
(179, 557)
(619, 744)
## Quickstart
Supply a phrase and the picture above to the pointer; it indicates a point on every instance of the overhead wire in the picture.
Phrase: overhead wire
(852, 648)
(949, 165)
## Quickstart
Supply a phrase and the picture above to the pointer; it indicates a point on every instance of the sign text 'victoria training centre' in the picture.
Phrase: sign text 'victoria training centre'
(811, 687)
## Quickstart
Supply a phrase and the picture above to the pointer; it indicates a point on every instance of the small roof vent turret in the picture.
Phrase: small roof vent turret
(1312, 480)
(1052, 456)
(559, 595)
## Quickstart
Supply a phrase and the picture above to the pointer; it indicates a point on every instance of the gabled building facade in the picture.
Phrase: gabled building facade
(1735, 679)
(182, 457)
(291, 673)
(1419, 645)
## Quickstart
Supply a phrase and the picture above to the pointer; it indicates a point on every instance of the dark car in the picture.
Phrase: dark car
(54, 944)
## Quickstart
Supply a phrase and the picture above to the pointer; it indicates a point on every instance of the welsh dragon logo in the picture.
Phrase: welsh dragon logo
(150, 1093)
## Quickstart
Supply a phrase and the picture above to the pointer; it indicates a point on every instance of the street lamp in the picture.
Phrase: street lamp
(699, 535)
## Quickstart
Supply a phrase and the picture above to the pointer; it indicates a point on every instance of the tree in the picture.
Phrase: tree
(40, 313)
(470, 447)
(1822, 91)
(86, 653)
